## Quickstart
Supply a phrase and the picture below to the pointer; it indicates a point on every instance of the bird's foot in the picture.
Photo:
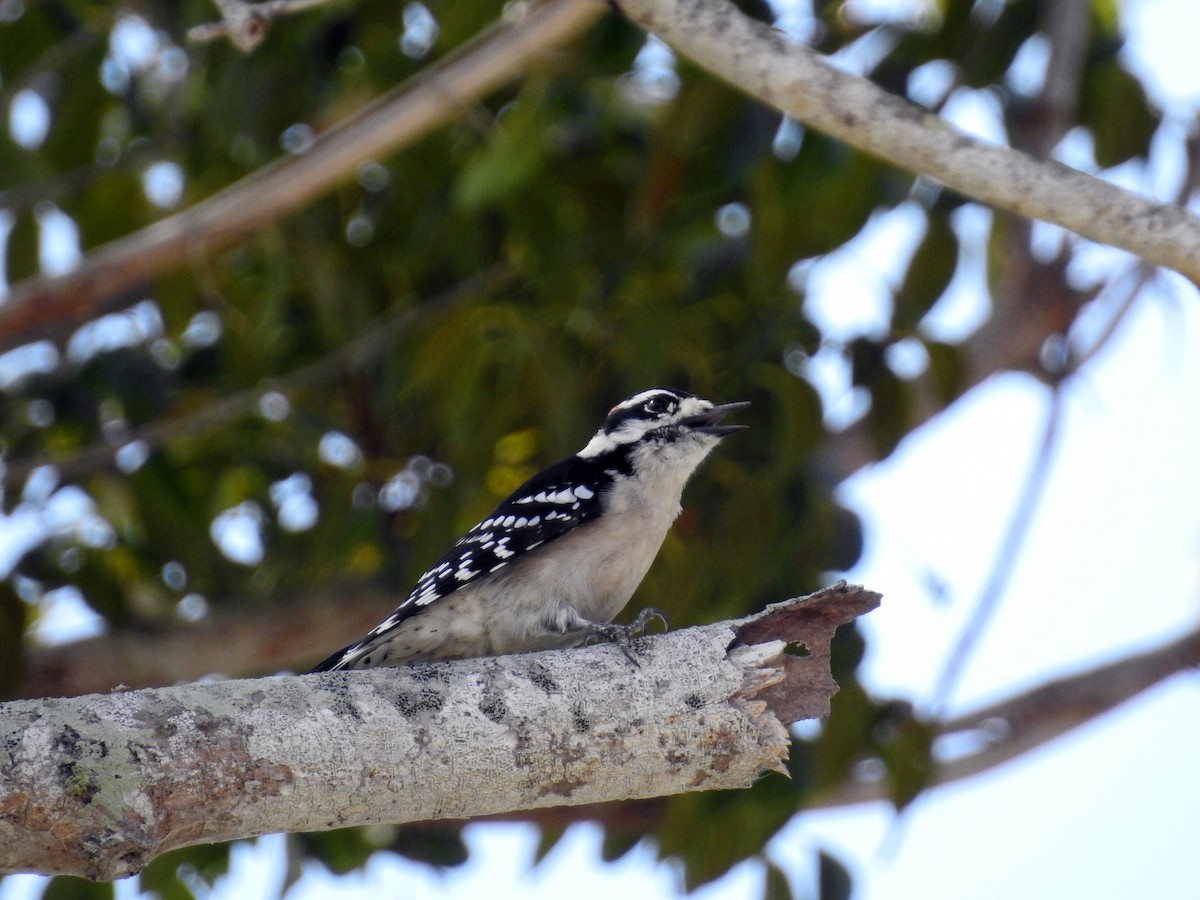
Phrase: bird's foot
(621, 635)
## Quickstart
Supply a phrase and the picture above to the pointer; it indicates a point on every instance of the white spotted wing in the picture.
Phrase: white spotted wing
(550, 504)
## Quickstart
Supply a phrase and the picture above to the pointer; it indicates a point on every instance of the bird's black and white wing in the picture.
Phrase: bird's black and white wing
(555, 501)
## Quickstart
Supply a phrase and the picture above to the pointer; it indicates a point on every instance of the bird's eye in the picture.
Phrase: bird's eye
(657, 405)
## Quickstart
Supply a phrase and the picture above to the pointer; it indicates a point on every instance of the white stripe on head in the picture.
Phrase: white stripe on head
(637, 399)
(631, 419)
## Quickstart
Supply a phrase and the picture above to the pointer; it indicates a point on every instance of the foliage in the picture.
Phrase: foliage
(625, 244)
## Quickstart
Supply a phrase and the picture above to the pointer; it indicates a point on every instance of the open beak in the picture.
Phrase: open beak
(706, 423)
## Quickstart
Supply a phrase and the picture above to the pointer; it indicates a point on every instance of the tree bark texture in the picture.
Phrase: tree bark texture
(101, 784)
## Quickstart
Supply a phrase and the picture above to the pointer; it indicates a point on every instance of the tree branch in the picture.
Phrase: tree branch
(994, 734)
(1005, 562)
(237, 638)
(100, 785)
(795, 80)
(1003, 731)
(46, 307)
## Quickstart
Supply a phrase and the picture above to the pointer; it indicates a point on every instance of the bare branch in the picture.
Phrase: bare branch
(1068, 31)
(100, 785)
(795, 80)
(1005, 561)
(1130, 281)
(1014, 726)
(46, 307)
(239, 638)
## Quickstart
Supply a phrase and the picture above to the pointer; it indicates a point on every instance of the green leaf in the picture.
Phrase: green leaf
(168, 876)
(892, 404)
(776, 885)
(867, 364)
(844, 533)
(847, 186)
(441, 846)
(161, 878)
(748, 820)
(548, 840)
(12, 632)
(908, 756)
(510, 161)
(833, 878)
(947, 370)
(932, 266)
(69, 887)
(341, 850)
(982, 47)
(23, 248)
(846, 737)
(617, 843)
(846, 653)
(1114, 106)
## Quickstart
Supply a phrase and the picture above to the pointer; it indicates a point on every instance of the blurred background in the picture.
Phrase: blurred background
(233, 458)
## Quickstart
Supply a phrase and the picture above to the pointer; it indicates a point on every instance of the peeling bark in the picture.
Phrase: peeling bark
(101, 784)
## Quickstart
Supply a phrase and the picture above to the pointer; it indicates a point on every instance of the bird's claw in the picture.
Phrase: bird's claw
(645, 617)
(621, 635)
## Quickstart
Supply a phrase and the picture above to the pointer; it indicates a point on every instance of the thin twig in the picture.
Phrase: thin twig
(1005, 562)
(1138, 276)
(353, 355)
(1144, 272)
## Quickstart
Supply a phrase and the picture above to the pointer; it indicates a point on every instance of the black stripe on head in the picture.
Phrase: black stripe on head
(648, 405)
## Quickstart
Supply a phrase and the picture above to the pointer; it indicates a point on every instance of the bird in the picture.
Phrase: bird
(558, 560)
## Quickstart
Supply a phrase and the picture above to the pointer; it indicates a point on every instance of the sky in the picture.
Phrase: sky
(1110, 565)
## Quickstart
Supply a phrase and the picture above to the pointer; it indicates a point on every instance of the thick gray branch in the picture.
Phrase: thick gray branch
(99, 785)
(794, 79)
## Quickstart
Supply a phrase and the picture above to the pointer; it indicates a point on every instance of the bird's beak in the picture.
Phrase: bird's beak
(706, 422)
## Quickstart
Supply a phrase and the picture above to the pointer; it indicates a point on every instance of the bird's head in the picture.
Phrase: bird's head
(664, 422)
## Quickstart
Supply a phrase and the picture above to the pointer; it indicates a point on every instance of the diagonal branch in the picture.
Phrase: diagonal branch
(795, 80)
(45, 307)
(1006, 556)
(1012, 727)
